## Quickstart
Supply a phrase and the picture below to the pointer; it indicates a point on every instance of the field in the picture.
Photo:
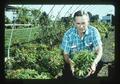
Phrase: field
(22, 36)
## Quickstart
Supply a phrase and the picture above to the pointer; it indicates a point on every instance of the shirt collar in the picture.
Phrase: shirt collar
(86, 32)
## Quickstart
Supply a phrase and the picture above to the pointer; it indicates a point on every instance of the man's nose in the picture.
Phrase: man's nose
(80, 25)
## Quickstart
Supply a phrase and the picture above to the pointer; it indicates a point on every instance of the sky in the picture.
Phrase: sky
(101, 10)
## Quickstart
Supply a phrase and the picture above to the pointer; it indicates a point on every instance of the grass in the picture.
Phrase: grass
(20, 35)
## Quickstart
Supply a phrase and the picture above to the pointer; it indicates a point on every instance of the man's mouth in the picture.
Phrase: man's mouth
(81, 29)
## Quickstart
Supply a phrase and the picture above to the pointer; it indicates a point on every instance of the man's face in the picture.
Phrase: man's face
(81, 22)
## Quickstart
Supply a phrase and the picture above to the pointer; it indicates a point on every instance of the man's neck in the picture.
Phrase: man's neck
(81, 34)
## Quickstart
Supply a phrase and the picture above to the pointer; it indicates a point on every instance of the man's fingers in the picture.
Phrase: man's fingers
(90, 71)
(93, 68)
(93, 71)
(71, 61)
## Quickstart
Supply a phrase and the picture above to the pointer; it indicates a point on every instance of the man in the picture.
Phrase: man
(82, 36)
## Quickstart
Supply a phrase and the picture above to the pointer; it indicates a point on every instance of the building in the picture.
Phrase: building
(11, 13)
(107, 19)
(10, 8)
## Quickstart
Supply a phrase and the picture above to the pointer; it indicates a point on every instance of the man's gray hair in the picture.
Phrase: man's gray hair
(81, 13)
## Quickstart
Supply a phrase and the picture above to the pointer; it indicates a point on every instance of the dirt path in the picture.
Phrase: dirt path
(108, 53)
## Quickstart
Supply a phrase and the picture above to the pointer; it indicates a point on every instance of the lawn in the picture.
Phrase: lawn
(20, 35)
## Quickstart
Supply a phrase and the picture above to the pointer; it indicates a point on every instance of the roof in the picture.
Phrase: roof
(10, 8)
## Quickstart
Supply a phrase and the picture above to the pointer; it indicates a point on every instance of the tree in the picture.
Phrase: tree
(67, 20)
(44, 19)
(35, 15)
(94, 18)
(23, 15)
(7, 20)
(90, 15)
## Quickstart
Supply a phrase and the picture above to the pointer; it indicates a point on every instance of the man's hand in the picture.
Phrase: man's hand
(66, 58)
(69, 61)
(72, 66)
(99, 51)
(92, 69)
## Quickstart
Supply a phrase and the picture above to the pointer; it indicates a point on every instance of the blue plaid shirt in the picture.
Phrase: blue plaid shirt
(73, 42)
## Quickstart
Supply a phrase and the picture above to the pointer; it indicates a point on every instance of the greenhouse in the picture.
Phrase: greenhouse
(33, 35)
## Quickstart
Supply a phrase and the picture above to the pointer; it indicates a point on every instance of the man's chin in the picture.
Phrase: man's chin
(82, 31)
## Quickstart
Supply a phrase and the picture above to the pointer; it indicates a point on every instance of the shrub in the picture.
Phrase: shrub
(26, 55)
(38, 57)
(27, 74)
(52, 60)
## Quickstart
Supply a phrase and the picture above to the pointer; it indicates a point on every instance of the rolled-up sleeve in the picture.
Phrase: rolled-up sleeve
(65, 46)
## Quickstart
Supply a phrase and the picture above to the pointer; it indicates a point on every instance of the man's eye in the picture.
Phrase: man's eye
(83, 23)
(77, 23)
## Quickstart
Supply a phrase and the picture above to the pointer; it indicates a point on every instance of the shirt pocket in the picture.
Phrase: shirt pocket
(74, 48)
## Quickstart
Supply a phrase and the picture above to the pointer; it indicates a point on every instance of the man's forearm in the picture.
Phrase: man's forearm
(69, 62)
(66, 58)
(99, 52)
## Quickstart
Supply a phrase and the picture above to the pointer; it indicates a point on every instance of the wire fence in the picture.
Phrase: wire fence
(68, 12)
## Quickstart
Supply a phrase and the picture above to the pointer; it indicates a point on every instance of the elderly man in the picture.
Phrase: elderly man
(82, 36)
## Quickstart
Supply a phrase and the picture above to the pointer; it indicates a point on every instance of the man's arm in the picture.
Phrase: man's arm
(66, 58)
(69, 62)
(97, 43)
(99, 52)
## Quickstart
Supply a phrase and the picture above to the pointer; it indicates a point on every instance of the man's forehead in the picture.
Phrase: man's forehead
(81, 18)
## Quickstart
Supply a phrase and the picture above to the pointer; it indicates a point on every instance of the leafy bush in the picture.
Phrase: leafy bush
(21, 74)
(24, 55)
(52, 60)
(102, 28)
(9, 62)
(7, 20)
(27, 74)
(83, 61)
(44, 75)
(38, 57)
(51, 34)
(56, 62)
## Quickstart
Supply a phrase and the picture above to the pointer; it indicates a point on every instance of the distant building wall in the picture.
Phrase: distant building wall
(107, 19)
